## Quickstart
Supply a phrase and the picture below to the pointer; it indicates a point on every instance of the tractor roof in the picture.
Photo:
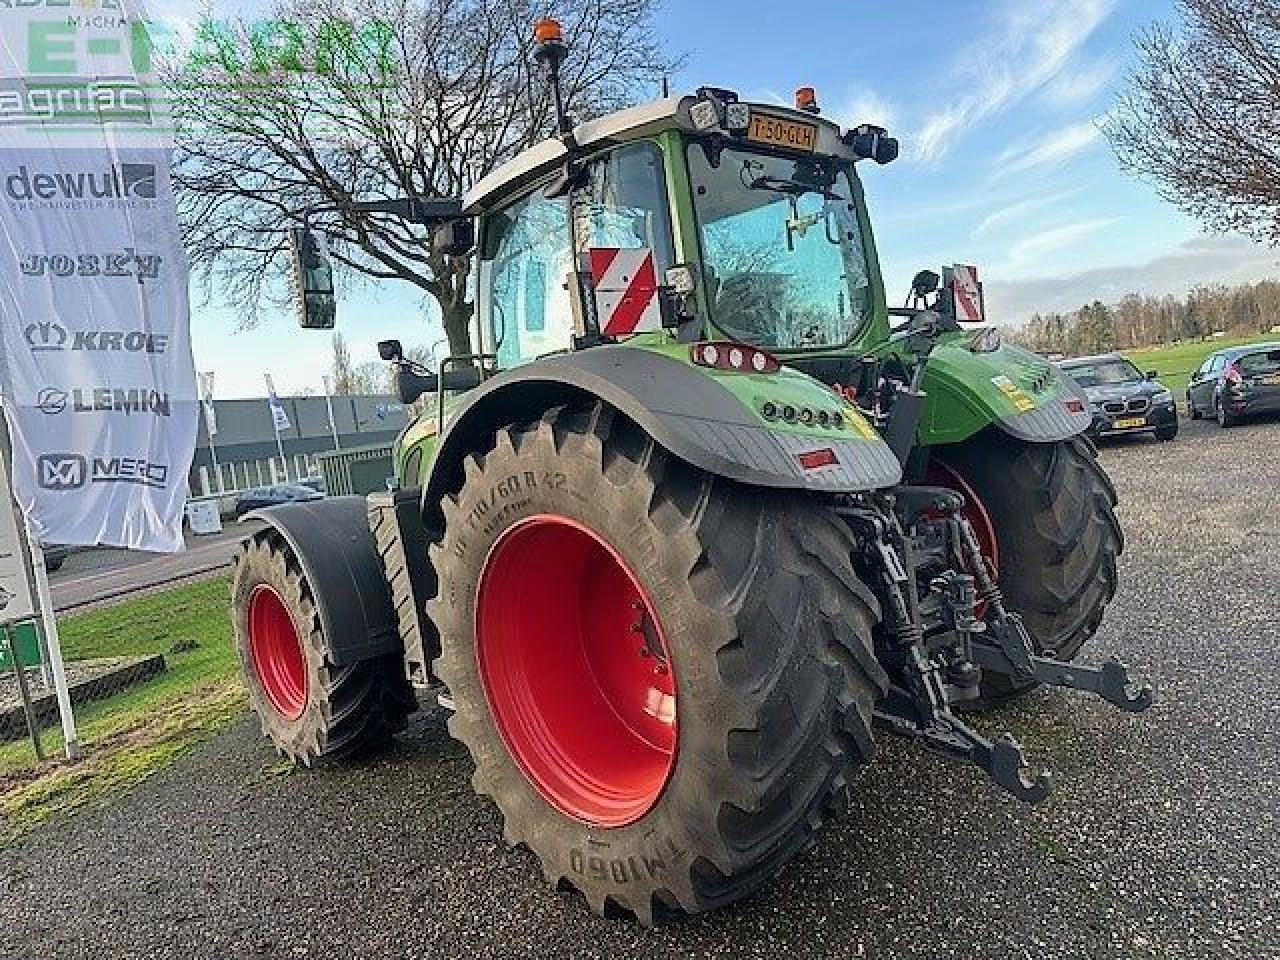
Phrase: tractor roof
(630, 124)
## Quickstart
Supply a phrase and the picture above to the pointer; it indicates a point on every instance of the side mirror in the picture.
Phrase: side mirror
(925, 283)
(313, 280)
(410, 386)
(390, 350)
(1153, 374)
(454, 238)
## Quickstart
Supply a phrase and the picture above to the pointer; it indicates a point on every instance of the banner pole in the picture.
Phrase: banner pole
(277, 411)
(49, 625)
(211, 424)
(328, 402)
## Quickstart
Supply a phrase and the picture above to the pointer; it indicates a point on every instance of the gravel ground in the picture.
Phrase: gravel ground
(1160, 841)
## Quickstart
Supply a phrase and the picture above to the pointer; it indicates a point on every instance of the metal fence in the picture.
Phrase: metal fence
(361, 471)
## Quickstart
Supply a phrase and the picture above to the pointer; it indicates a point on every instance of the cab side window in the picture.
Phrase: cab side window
(1217, 363)
(624, 204)
(528, 245)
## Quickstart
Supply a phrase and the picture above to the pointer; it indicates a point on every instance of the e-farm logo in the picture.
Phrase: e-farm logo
(74, 471)
(121, 184)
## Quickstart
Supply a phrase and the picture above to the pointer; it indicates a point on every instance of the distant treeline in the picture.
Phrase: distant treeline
(1144, 321)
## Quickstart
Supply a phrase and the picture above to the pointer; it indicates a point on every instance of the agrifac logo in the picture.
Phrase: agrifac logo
(49, 337)
(122, 184)
(73, 471)
(53, 401)
(128, 263)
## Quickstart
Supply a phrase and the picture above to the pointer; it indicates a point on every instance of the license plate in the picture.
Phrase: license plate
(1271, 378)
(777, 132)
(1128, 423)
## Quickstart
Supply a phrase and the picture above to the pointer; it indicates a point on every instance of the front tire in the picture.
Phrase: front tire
(1165, 434)
(1226, 418)
(310, 709)
(1051, 511)
(663, 678)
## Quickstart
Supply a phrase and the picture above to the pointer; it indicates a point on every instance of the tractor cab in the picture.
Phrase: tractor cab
(690, 218)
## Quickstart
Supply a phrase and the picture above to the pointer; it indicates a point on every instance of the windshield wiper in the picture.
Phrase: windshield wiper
(792, 188)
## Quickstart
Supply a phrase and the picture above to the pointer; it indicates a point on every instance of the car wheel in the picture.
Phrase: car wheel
(1192, 412)
(1167, 433)
(1225, 418)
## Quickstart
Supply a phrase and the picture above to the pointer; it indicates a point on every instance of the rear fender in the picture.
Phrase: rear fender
(339, 557)
(690, 412)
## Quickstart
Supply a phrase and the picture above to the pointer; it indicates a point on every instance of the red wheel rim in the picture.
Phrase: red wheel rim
(577, 671)
(975, 511)
(276, 651)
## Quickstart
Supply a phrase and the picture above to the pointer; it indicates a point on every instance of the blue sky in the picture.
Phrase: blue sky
(996, 104)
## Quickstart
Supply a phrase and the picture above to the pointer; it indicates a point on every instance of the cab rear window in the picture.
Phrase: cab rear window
(1264, 361)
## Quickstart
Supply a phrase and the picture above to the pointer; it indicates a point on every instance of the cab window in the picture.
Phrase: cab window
(528, 248)
(624, 204)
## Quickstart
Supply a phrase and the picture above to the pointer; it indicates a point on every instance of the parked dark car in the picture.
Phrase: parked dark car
(272, 496)
(1235, 383)
(55, 555)
(1125, 401)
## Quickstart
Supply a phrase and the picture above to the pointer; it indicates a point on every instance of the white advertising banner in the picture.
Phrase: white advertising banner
(96, 371)
(16, 600)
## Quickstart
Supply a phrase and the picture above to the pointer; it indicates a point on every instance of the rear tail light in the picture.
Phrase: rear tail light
(737, 357)
(1233, 374)
(1074, 405)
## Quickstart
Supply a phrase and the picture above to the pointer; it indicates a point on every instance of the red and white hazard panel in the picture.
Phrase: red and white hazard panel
(626, 290)
(968, 293)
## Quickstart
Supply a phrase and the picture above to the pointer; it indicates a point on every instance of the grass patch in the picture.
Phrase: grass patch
(128, 737)
(1176, 363)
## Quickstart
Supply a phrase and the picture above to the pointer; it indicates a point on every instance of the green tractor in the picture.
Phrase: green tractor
(698, 519)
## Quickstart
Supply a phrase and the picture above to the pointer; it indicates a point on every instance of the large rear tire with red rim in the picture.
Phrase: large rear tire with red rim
(1045, 517)
(663, 678)
(310, 709)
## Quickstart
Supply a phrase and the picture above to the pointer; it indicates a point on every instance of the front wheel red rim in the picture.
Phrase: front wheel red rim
(276, 651)
(577, 671)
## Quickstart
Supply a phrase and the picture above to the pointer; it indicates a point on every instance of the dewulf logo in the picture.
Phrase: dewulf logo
(128, 263)
(49, 337)
(119, 185)
(73, 471)
(53, 401)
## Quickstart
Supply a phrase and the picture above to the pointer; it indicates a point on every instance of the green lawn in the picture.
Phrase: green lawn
(1176, 363)
(129, 736)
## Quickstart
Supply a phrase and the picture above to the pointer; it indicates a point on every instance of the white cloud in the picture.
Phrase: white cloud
(1039, 245)
(864, 105)
(1051, 150)
(1010, 213)
(1032, 44)
(1218, 258)
(1079, 86)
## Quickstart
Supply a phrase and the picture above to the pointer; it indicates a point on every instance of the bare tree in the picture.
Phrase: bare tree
(333, 102)
(1200, 116)
(343, 370)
